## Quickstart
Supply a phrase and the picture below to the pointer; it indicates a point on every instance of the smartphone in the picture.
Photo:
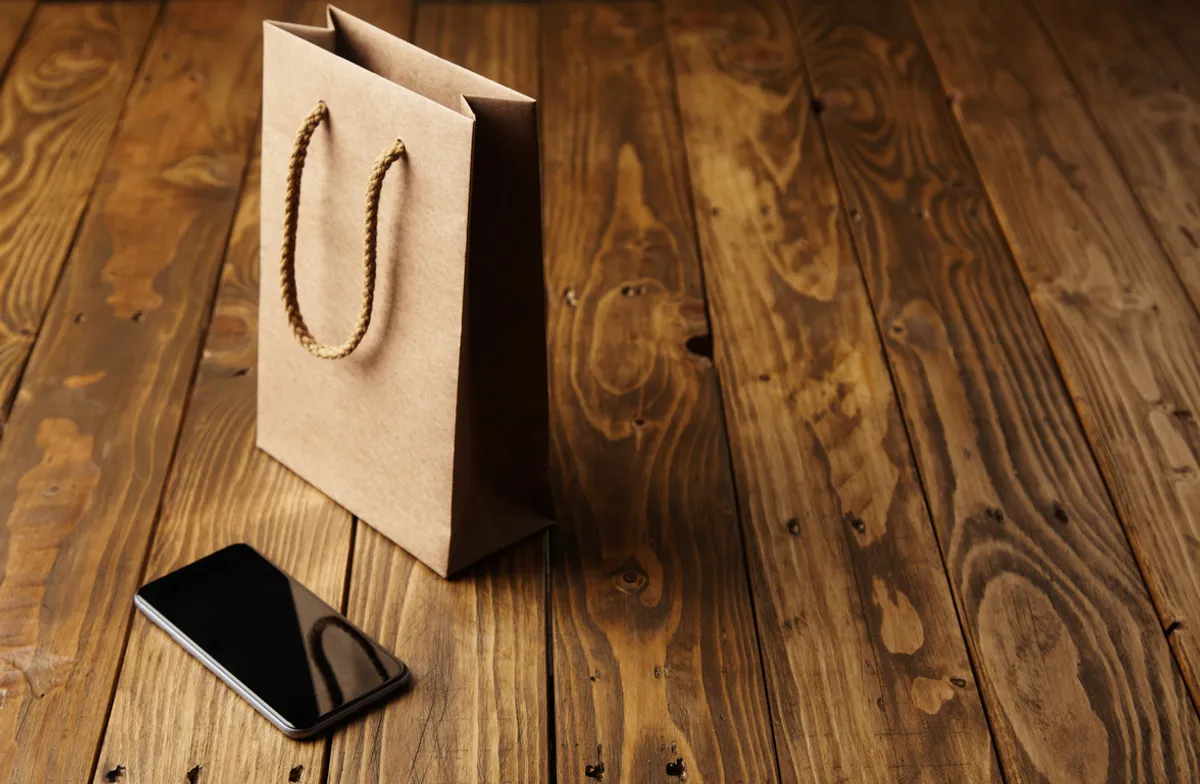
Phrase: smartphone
(298, 661)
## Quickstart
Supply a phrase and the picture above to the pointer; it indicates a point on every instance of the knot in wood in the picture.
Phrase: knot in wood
(631, 578)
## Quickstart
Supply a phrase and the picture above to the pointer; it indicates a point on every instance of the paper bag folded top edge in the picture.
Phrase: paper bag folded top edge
(375, 50)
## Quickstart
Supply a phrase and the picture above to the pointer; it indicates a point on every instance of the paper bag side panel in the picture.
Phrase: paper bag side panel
(502, 441)
(374, 431)
(406, 64)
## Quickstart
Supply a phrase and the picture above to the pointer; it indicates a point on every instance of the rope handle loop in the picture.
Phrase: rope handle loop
(291, 216)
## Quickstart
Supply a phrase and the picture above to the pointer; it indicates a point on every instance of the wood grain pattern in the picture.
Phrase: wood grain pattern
(222, 490)
(95, 421)
(1181, 20)
(1122, 328)
(14, 15)
(1076, 679)
(656, 667)
(1145, 97)
(869, 675)
(60, 103)
(478, 708)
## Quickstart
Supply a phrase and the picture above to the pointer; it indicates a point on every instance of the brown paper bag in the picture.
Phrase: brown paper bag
(419, 403)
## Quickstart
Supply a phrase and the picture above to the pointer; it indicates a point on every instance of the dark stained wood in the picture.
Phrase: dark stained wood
(222, 490)
(868, 670)
(643, 661)
(1076, 678)
(14, 15)
(1181, 20)
(656, 666)
(95, 420)
(1122, 328)
(1145, 97)
(60, 102)
(478, 710)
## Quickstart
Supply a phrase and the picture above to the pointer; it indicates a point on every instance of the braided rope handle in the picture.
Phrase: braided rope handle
(287, 256)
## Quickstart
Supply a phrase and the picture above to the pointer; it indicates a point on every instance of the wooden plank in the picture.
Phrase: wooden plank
(1181, 20)
(1122, 328)
(1076, 679)
(868, 671)
(1145, 98)
(476, 645)
(95, 421)
(657, 673)
(60, 102)
(14, 15)
(223, 490)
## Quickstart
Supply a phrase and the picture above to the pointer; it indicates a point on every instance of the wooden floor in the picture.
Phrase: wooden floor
(875, 386)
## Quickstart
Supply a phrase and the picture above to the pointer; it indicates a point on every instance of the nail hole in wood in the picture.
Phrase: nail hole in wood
(241, 372)
(994, 514)
(139, 316)
(193, 775)
(676, 768)
(1060, 514)
(639, 422)
(115, 774)
(295, 773)
(700, 345)
(959, 682)
(80, 318)
(855, 522)
(1174, 627)
(818, 106)
(594, 771)
(631, 580)
(793, 526)
(764, 376)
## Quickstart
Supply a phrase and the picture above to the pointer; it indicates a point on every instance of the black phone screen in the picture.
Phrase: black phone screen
(292, 650)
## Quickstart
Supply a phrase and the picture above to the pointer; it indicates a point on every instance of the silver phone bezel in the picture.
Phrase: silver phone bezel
(267, 712)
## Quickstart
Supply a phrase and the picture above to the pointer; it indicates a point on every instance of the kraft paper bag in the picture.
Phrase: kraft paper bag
(402, 364)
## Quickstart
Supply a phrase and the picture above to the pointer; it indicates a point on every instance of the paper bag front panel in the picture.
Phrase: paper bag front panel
(374, 431)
